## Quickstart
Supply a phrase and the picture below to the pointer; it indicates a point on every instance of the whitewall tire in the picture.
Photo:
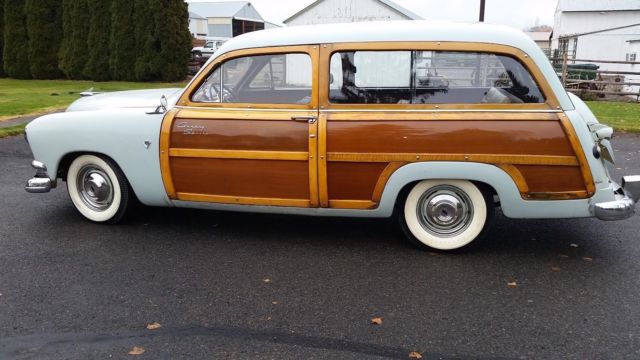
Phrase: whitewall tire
(446, 214)
(98, 189)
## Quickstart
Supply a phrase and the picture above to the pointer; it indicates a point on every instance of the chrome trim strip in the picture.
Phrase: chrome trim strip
(373, 110)
(443, 111)
(244, 109)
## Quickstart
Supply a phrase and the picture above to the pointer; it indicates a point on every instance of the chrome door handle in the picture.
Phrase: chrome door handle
(307, 119)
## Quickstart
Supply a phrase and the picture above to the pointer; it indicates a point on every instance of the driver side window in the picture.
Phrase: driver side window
(262, 79)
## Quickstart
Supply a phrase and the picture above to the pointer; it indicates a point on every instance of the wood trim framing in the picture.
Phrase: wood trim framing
(242, 200)
(582, 159)
(352, 204)
(565, 195)
(481, 158)
(323, 190)
(165, 165)
(239, 154)
(312, 157)
(444, 115)
(517, 177)
(384, 178)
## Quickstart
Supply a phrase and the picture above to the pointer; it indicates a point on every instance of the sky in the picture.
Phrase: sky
(516, 13)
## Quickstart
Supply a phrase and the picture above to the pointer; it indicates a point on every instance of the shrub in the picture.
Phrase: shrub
(97, 66)
(73, 54)
(16, 57)
(122, 42)
(44, 27)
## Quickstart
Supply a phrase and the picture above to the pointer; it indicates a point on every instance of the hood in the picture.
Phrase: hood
(126, 99)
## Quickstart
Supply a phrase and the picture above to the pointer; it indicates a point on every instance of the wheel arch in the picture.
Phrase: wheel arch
(67, 159)
(487, 176)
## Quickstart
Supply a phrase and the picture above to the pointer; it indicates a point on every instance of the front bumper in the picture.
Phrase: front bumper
(624, 206)
(40, 183)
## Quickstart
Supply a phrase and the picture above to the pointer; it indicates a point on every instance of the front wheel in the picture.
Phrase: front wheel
(446, 214)
(98, 189)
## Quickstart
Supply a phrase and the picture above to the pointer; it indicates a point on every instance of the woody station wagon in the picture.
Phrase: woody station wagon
(435, 123)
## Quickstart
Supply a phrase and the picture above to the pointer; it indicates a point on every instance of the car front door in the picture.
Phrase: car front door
(245, 131)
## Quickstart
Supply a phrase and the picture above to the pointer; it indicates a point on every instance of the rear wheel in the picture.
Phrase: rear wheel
(98, 189)
(446, 214)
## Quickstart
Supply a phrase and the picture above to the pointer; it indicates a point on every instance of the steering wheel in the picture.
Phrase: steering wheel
(214, 93)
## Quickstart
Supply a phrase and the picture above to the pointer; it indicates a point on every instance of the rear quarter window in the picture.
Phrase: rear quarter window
(430, 77)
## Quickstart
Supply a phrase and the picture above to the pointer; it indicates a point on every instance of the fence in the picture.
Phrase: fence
(587, 78)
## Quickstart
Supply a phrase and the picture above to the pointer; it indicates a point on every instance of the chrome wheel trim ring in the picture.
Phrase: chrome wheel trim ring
(95, 188)
(444, 211)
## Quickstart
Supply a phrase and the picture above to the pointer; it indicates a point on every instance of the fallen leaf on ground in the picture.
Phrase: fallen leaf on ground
(154, 326)
(555, 268)
(512, 284)
(376, 321)
(136, 351)
(415, 355)
(574, 245)
(586, 258)
(564, 255)
(267, 280)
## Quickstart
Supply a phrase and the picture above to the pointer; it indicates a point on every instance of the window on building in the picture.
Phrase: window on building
(630, 57)
(263, 79)
(429, 77)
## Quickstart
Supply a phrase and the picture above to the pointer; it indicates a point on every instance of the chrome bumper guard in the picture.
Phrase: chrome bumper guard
(625, 204)
(40, 183)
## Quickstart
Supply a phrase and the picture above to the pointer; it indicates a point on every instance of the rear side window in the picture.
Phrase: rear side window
(429, 77)
(261, 79)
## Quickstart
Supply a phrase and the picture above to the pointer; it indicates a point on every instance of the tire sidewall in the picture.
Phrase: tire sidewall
(84, 209)
(466, 237)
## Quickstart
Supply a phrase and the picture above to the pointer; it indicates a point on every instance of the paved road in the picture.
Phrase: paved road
(72, 289)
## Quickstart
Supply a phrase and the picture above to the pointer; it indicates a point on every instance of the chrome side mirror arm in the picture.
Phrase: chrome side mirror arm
(162, 108)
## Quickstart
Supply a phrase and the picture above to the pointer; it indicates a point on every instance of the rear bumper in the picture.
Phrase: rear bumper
(624, 206)
(40, 183)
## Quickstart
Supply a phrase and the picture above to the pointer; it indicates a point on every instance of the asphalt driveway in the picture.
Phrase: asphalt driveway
(246, 286)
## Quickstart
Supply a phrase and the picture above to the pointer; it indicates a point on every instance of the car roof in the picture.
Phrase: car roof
(409, 30)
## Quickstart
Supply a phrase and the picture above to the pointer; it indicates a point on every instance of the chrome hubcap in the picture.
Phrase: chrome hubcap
(444, 211)
(95, 188)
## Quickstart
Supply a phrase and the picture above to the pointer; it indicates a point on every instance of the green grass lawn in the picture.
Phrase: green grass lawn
(621, 116)
(24, 97)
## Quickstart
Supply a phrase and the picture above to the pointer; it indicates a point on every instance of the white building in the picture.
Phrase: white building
(542, 38)
(229, 18)
(599, 30)
(345, 11)
(198, 26)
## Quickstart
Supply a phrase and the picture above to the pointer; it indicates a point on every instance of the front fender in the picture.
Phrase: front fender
(119, 134)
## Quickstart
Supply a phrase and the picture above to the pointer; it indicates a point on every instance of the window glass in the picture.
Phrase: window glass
(429, 77)
(263, 79)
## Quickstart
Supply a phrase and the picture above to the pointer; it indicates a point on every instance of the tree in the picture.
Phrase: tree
(122, 42)
(172, 32)
(2, 74)
(97, 66)
(147, 44)
(44, 27)
(16, 57)
(73, 54)
(542, 28)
